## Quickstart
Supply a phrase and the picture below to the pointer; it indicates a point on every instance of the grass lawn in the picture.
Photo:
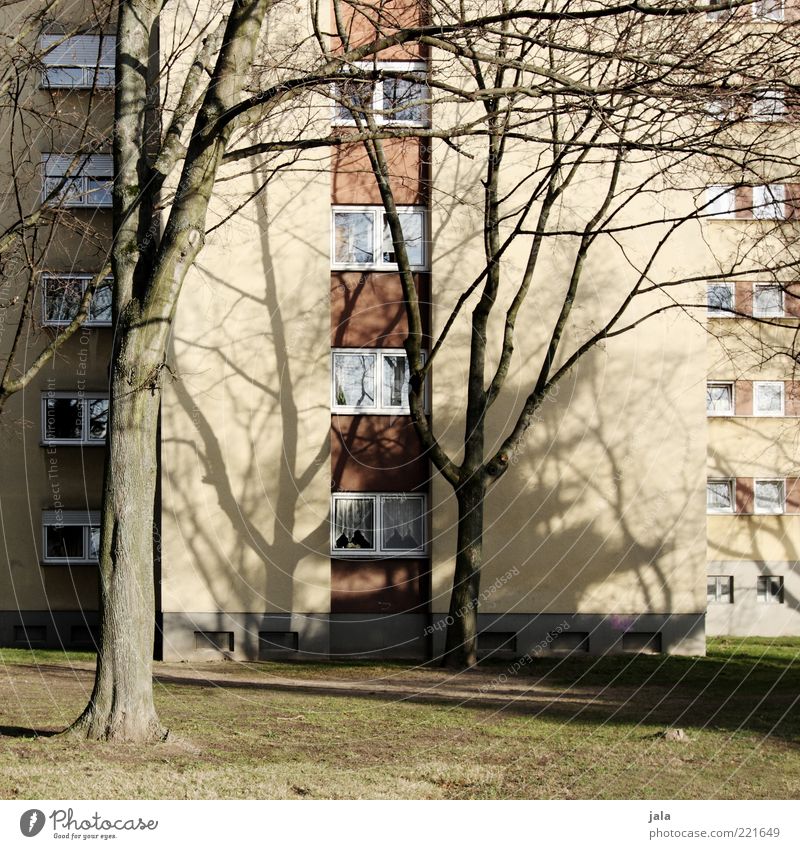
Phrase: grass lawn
(574, 728)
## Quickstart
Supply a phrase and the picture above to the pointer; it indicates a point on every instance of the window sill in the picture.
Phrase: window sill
(71, 443)
(375, 268)
(68, 563)
(360, 554)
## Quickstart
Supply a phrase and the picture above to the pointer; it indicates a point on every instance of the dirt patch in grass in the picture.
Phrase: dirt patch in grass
(575, 728)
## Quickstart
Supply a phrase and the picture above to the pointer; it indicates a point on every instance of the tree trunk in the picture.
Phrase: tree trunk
(121, 706)
(461, 646)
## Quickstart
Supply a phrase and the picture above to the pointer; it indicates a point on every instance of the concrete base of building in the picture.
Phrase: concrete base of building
(74, 630)
(253, 636)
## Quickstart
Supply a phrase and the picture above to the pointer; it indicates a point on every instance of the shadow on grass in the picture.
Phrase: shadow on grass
(17, 731)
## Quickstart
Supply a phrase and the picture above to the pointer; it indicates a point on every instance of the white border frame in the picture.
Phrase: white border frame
(378, 552)
(380, 409)
(85, 279)
(85, 398)
(73, 518)
(716, 413)
(377, 263)
(714, 313)
(770, 415)
(766, 314)
(717, 599)
(756, 511)
(731, 482)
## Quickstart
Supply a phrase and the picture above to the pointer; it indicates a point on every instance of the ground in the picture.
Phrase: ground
(570, 728)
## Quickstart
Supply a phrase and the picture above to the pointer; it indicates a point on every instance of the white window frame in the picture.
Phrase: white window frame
(378, 263)
(88, 73)
(378, 551)
(720, 202)
(380, 408)
(732, 385)
(764, 96)
(769, 202)
(774, 16)
(717, 313)
(85, 399)
(72, 518)
(768, 597)
(731, 484)
(762, 511)
(70, 176)
(766, 314)
(415, 68)
(83, 280)
(718, 595)
(774, 414)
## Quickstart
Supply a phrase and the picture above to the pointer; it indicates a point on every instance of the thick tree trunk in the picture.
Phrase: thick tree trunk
(121, 706)
(461, 646)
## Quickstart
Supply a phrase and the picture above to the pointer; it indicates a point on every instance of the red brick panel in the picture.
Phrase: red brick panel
(791, 403)
(793, 495)
(743, 398)
(376, 454)
(744, 495)
(792, 299)
(792, 202)
(744, 202)
(368, 311)
(382, 586)
(353, 181)
(365, 20)
(744, 297)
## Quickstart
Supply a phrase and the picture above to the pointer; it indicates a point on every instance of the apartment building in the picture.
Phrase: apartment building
(297, 513)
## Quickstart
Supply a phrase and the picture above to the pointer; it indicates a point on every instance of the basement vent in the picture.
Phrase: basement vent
(217, 640)
(497, 642)
(271, 643)
(643, 642)
(570, 641)
(84, 637)
(28, 635)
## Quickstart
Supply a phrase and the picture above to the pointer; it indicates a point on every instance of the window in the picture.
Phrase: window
(78, 180)
(361, 237)
(369, 380)
(62, 296)
(768, 201)
(78, 61)
(768, 398)
(397, 100)
(767, 10)
(378, 524)
(74, 419)
(719, 299)
(719, 589)
(70, 536)
(720, 202)
(767, 300)
(720, 14)
(769, 104)
(769, 496)
(719, 399)
(769, 589)
(719, 496)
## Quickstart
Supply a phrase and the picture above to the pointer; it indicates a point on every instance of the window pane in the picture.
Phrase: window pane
(719, 496)
(65, 541)
(768, 10)
(355, 95)
(105, 77)
(720, 298)
(769, 398)
(395, 380)
(98, 191)
(768, 201)
(402, 523)
(353, 523)
(768, 301)
(711, 589)
(769, 496)
(98, 418)
(719, 398)
(769, 105)
(100, 307)
(94, 544)
(354, 237)
(411, 226)
(725, 589)
(62, 297)
(64, 418)
(404, 100)
(62, 77)
(720, 202)
(354, 380)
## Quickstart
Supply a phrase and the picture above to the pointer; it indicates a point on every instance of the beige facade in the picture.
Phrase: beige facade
(597, 538)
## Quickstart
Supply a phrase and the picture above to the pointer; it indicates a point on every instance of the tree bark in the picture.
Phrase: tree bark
(121, 706)
(461, 646)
